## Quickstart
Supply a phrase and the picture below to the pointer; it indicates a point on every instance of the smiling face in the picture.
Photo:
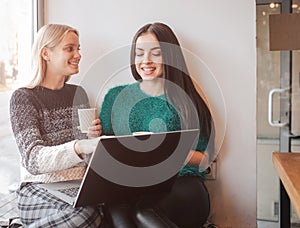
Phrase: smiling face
(63, 59)
(148, 58)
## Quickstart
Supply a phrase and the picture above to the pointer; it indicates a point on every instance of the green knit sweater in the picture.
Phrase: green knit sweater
(127, 109)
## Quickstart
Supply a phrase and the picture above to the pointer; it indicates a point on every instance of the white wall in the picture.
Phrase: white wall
(220, 40)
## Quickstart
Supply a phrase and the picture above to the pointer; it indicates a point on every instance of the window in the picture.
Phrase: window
(17, 27)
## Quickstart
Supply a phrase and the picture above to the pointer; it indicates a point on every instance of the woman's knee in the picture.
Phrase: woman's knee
(119, 215)
(188, 204)
(149, 217)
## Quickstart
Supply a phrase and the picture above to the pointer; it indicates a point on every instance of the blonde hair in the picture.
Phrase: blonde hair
(49, 36)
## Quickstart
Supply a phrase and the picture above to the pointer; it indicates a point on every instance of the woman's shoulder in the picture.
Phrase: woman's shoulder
(22, 92)
(126, 91)
(116, 90)
(22, 97)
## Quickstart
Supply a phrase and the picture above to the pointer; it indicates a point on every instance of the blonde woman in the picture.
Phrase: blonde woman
(44, 121)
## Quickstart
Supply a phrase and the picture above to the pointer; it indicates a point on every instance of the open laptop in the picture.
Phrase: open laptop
(125, 167)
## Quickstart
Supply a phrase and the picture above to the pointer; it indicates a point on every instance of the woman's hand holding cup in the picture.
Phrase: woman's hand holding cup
(96, 130)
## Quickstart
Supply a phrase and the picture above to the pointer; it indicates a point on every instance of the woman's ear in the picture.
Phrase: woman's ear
(45, 54)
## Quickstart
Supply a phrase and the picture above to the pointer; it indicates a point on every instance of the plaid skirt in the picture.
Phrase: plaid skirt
(39, 208)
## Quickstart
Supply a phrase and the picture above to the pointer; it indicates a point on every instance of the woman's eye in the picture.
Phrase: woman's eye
(69, 49)
(139, 54)
(156, 54)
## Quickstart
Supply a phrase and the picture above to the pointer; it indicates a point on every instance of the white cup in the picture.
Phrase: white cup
(86, 117)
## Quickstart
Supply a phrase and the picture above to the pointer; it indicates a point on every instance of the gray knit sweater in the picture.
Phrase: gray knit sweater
(44, 123)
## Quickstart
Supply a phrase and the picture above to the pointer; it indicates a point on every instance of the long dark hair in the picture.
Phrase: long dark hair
(176, 72)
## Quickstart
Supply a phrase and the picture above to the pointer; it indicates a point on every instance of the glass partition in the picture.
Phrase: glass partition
(268, 78)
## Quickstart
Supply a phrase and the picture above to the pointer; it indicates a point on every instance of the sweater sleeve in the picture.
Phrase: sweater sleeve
(201, 144)
(106, 109)
(37, 157)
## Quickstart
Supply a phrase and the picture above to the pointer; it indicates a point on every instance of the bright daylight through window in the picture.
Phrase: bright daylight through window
(15, 50)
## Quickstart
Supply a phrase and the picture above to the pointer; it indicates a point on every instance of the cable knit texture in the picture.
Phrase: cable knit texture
(127, 109)
(44, 123)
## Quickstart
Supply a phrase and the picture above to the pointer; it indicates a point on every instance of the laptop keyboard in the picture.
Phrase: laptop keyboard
(72, 192)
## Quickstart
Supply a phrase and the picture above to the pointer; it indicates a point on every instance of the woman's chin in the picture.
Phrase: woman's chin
(148, 78)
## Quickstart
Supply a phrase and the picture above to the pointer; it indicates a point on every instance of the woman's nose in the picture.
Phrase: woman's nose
(147, 58)
(77, 55)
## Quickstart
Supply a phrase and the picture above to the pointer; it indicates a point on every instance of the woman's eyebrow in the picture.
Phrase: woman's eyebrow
(71, 44)
(154, 48)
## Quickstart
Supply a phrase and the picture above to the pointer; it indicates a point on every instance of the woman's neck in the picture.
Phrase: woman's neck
(53, 83)
(153, 87)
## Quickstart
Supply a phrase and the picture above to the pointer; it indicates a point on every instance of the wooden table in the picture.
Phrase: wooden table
(287, 166)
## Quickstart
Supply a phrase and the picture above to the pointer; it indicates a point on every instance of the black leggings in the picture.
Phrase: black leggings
(187, 205)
